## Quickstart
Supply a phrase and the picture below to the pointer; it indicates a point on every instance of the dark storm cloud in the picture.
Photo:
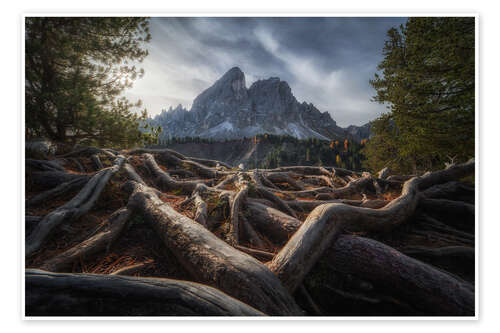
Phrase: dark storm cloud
(326, 61)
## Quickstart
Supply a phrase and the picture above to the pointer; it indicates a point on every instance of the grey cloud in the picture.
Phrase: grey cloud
(326, 61)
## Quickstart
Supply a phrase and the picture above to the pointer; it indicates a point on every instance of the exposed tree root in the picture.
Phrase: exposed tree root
(429, 222)
(250, 234)
(309, 205)
(43, 165)
(423, 285)
(384, 173)
(258, 236)
(209, 163)
(261, 180)
(326, 222)
(60, 294)
(89, 151)
(454, 190)
(79, 165)
(227, 180)
(211, 260)
(166, 182)
(67, 187)
(236, 202)
(271, 222)
(201, 210)
(354, 186)
(282, 205)
(311, 305)
(94, 244)
(51, 179)
(74, 208)
(97, 161)
(132, 174)
(455, 213)
(284, 177)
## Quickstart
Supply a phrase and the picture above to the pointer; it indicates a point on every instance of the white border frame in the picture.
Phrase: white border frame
(247, 14)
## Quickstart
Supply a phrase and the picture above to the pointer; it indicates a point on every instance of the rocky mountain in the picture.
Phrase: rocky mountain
(230, 110)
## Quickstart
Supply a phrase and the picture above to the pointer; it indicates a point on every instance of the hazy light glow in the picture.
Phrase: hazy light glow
(326, 61)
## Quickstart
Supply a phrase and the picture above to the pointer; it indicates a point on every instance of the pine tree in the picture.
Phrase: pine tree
(428, 81)
(76, 69)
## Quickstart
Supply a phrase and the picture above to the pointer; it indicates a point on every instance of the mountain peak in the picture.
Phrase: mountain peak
(228, 109)
(235, 70)
(234, 74)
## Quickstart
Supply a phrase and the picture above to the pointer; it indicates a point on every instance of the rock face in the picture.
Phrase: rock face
(228, 110)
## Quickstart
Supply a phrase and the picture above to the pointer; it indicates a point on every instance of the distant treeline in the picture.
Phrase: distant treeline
(283, 150)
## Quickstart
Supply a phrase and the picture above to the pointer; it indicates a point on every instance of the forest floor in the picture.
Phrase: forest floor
(287, 241)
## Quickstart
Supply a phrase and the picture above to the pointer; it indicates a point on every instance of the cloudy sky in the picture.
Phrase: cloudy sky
(326, 61)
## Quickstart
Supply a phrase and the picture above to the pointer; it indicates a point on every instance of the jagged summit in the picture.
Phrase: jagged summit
(234, 72)
(228, 110)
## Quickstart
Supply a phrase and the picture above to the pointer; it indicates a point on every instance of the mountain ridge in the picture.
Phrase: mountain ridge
(230, 110)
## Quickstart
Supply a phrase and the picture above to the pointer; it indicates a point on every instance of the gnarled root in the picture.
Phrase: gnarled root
(200, 215)
(165, 181)
(458, 214)
(424, 286)
(236, 203)
(62, 294)
(271, 222)
(101, 241)
(212, 260)
(282, 205)
(326, 222)
(59, 190)
(76, 207)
